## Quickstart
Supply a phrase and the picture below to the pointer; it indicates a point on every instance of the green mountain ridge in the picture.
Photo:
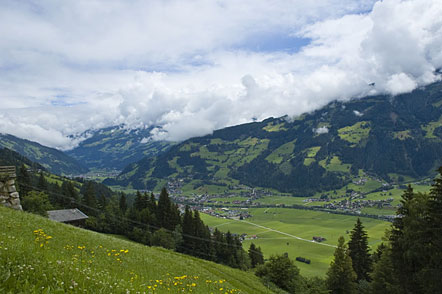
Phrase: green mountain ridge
(12, 158)
(115, 147)
(391, 137)
(52, 159)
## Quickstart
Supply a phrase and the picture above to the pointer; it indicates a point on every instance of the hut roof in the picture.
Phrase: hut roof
(66, 215)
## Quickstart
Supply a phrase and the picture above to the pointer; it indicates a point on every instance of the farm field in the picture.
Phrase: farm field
(41, 256)
(281, 230)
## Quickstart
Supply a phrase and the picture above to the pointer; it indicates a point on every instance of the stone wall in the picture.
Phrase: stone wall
(8, 194)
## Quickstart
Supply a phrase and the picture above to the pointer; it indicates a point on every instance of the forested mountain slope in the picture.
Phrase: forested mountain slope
(52, 159)
(390, 137)
(116, 147)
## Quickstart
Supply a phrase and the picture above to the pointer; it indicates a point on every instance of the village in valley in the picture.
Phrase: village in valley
(236, 205)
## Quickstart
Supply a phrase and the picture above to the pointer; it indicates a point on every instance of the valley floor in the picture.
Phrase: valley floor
(280, 230)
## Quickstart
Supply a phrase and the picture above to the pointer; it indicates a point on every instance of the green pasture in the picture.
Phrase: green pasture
(287, 200)
(230, 199)
(278, 230)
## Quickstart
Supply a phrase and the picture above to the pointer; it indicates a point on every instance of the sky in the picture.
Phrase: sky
(190, 67)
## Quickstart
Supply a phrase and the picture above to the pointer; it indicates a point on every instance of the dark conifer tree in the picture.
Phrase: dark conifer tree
(431, 274)
(42, 184)
(219, 241)
(231, 250)
(145, 201)
(24, 181)
(152, 204)
(403, 269)
(383, 276)
(377, 254)
(102, 202)
(70, 199)
(123, 203)
(164, 211)
(255, 255)
(341, 277)
(202, 242)
(360, 252)
(188, 231)
(89, 200)
(138, 203)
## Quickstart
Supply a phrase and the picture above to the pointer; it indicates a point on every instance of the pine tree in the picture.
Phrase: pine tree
(102, 202)
(42, 184)
(152, 204)
(383, 277)
(138, 202)
(255, 255)
(407, 241)
(220, 247)
(431, 274)
(175, 218)
(202, 245)
(89, 200)
(188, 232)
(24, 181)
(230, 248)
(341, 276)
(123, 203)
(164, 210)
(360, 252)
(71, 198)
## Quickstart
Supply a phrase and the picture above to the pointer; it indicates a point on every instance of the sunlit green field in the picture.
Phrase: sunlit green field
(41, 256)
(278, 230)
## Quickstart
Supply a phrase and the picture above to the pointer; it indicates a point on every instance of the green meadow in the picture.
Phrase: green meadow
(284, 230)
(41, 256)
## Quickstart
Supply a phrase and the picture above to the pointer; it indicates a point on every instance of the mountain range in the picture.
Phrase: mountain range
(395, 138)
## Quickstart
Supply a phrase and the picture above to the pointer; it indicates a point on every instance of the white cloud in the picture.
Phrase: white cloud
(357, 113)
(321, 130)
(400, 83)
(159, 63)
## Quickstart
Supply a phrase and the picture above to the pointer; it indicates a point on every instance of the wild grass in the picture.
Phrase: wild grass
(41, 256)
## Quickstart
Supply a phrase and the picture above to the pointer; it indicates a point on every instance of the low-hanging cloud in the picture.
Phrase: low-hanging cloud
(83, 65)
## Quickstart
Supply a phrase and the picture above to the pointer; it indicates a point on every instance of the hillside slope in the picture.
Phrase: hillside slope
(9, 157)
(52, 159)
(116, 147)
(391, 137)
(41, 256)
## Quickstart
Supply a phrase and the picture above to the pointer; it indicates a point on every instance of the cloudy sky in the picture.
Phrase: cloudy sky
(193, 66)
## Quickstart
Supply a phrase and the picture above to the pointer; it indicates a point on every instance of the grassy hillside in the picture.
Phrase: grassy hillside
(116, 147)
(41, 256)
(394, 138)
(280, 230)
(52, 159)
